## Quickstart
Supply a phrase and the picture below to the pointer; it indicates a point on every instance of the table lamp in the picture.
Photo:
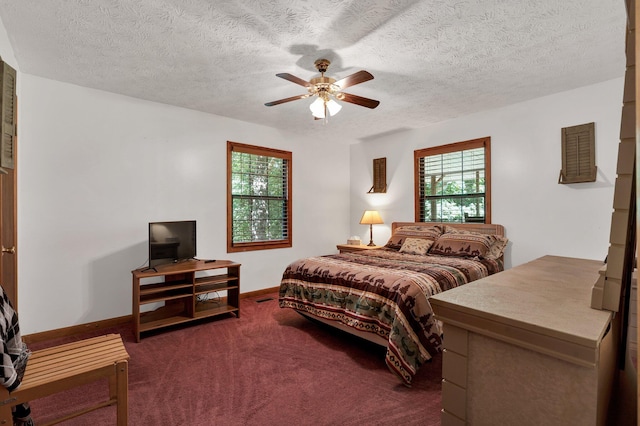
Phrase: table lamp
(371, 217)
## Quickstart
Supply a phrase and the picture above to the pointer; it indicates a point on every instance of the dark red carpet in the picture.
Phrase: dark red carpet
(269, 367)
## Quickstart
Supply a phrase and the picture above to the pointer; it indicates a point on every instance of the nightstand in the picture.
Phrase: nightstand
(346, 248)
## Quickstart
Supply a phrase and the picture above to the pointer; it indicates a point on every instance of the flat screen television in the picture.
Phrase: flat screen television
(171, 242)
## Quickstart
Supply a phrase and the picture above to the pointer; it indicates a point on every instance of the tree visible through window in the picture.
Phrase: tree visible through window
(259, 198)
(453, 182)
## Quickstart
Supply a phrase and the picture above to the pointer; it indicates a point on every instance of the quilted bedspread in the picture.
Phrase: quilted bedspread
(383, 292)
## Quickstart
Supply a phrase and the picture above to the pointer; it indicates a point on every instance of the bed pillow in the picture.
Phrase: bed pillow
(416, 246)
(497, 248)
(497, 242)
(468, 244)
(413, 231)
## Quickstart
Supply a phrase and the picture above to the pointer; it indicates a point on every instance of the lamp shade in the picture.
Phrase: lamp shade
(333, 107)
(320, 106)
(371, 217)
(317, 108)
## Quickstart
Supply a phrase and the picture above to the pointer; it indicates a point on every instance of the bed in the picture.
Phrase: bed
(382, 294)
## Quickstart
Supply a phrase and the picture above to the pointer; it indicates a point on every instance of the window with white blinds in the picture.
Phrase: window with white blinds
(259, 199)
(452, 182)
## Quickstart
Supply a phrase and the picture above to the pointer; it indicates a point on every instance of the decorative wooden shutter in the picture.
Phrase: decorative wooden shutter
(379, 175)
(578, 154)
(8, 112)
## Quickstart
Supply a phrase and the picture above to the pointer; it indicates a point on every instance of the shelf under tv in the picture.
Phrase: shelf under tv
(181, 288)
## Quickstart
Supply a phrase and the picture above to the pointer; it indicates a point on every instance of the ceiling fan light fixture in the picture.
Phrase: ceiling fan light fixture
(321, 106)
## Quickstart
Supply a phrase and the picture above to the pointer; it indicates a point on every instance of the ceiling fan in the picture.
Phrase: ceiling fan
(328, 90)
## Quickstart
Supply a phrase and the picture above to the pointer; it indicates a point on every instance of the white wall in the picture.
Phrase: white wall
(95, 168)
(540, 216)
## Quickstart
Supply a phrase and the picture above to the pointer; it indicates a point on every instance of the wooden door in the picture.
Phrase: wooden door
(8, 184)
(8, 263)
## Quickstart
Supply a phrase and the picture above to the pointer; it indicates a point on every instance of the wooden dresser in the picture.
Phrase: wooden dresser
(524, 347)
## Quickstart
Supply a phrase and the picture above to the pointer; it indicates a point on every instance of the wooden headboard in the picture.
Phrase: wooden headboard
(482, 228)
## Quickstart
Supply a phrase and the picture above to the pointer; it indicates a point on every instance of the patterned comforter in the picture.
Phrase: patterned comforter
(383, 292)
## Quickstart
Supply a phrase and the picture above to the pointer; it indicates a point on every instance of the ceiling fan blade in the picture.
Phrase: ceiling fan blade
(293, 98)
(358, 100)
(294, 79)
(353, 79)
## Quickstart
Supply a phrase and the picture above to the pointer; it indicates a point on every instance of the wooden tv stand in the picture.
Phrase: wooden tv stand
(183, 287)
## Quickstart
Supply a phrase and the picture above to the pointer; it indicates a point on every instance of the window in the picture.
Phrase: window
(258, 198)
(452, 182)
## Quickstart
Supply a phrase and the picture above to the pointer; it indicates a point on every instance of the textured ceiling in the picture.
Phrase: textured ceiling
(432, 60)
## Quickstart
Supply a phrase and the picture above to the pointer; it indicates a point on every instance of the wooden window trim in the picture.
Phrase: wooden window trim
(448, 148)
(260, 245)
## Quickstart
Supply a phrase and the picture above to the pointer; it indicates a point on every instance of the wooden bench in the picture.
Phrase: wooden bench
(66, 366)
